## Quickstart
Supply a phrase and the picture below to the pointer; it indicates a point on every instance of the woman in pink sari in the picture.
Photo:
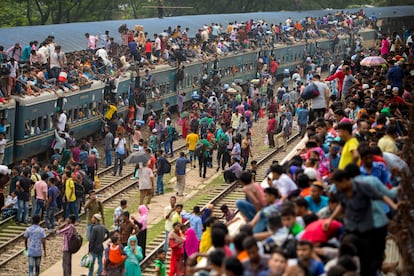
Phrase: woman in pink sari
(191, 243)
(142, 225)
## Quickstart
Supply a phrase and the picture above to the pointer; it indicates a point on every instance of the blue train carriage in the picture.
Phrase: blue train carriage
(8, 112)
(84, 109)
(35, 126)
(240, 66)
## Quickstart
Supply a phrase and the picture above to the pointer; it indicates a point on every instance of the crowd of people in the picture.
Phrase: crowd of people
(325, 211)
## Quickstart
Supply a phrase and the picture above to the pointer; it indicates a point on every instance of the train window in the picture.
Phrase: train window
(52, 120)
(91, 108)
(75, 114)
(70, 116)
(27, 128)
(34, 127)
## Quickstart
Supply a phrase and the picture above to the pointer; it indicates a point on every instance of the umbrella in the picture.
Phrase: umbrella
(137, 157)
(232, 90)
(164, 34)
(373, 61)
(255, 81)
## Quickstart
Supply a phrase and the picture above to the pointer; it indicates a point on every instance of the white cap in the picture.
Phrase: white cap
(311, 173)
(365, 86)
(154, 130)
(395, 89)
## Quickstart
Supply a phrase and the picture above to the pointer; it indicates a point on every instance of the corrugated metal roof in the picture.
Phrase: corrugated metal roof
(71, 35)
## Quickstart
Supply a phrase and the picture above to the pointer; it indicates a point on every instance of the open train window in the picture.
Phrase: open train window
(27, 128)
(34, 127)
(75, 114)
(70, 116)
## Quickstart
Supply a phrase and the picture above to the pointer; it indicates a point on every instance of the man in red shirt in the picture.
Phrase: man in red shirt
(271, 127)
(273, 67)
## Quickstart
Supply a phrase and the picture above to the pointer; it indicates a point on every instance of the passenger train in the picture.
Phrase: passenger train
(31, 120)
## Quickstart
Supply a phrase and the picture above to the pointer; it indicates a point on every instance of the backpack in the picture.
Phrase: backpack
(75, 242)
(79, 190)
(115, 256)
(310, 92)
(203, 126)
(212, 126)
(174, 134)
(289, 246)
(222, 143)
(199, 149)
(87, 184)
(166, 168)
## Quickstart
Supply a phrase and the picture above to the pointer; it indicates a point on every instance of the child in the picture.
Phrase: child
(227, 213)
(253, 169)
(160, 268)
(287, 214)
(115, 256)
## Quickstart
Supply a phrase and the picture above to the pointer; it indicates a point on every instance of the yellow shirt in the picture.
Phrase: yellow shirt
(110, 112)
(176, 218)
(191, 140)
(387, 144)
(346, 154)
(69, 185)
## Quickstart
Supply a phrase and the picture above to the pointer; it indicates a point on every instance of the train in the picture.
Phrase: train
(31, 120)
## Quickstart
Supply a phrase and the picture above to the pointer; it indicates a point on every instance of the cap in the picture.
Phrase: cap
(395, 89)
(318, 184)
(154, 130)
(97, 216)
(365, 86)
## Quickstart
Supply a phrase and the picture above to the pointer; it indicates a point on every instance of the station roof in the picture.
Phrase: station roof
(71, 36)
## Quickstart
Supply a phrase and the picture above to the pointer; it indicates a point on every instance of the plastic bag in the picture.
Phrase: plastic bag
(266, 140)
(86, 260)
(97, 182)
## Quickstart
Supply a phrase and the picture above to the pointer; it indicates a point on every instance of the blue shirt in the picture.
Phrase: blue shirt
(52, 194)
(34, 234)
(316, 268)
(180, 165)
(313, 206)
(303, 116)
(378, 170)
(395, 74)
(195, 223)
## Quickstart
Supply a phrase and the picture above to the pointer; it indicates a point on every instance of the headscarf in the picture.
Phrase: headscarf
(132, 257)
(191, 242)
(143, 216)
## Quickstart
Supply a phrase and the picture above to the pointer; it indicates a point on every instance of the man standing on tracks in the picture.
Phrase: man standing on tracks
(109, 141)
(191, 141)
(34, 240)
(120, 151)
(161, 169)
(146, 184)
(169, 212)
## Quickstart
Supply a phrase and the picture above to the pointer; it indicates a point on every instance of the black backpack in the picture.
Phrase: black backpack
(75, 242)
(310, 92)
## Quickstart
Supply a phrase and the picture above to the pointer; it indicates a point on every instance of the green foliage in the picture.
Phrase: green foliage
(40, 12)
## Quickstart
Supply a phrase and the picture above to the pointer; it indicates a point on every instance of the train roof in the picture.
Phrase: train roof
(71, 35)
(11, 103)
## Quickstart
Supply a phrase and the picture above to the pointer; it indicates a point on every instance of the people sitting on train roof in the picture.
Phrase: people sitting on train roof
(71, 71)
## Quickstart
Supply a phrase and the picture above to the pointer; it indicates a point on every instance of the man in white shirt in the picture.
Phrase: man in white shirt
(282, 182)
(3, 143)
(57, 62)
(10, 207)
(146, 184)
(320, 104)
(120, 151)
(61, 121)
(157, 46)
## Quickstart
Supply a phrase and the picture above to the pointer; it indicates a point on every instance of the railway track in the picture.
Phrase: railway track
(225, 194)
(112, 189)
